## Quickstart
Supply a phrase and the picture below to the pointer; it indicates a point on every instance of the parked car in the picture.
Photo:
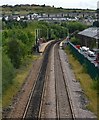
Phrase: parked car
(91, 53)
(84, 49)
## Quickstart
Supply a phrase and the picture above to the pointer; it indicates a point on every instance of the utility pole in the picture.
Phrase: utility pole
(36, 35)
(97, 40)
(47, 34)
(68, 33)
(36, 40)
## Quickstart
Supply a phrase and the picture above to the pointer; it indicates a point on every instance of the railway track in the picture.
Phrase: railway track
(38, 100)
(64, 109)
(33, 105)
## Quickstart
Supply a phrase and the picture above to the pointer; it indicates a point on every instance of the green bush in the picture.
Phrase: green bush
(95, 85)
(16, 51)
(73, 26)
(75, 40)
(8, 72)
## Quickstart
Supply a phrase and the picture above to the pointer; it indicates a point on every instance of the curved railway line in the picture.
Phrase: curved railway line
(37, 105)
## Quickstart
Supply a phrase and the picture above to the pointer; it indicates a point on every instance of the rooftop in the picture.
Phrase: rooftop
(92, 32)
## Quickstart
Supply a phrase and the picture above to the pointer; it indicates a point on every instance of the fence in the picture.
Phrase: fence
(92, 70)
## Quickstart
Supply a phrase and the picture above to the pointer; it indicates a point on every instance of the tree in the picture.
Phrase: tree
(16, 51)
(73, 26)
(8, 72)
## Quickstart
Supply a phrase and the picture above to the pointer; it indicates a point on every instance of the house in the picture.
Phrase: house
(90, 37)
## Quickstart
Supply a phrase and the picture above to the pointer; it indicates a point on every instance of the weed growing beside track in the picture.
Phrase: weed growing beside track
(87, 84)
(18, 80)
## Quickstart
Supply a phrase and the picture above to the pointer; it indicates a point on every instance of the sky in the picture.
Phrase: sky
(83, 4)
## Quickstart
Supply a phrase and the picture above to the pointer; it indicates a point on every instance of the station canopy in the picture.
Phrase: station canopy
(92, 32)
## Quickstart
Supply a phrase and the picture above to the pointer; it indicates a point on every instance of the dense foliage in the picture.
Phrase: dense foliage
(7, 72)
(74, 26)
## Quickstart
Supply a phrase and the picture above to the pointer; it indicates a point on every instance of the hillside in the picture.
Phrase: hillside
(26, 9)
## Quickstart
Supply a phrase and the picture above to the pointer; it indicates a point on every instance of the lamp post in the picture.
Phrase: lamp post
(68, 34)
(36, 35)
(47, 34)
(36, 39)
(96, 43)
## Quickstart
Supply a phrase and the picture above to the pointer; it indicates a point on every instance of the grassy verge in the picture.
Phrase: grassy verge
(18, 81)
(86, 83)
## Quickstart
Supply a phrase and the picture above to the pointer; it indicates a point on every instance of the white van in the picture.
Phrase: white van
(84, 49)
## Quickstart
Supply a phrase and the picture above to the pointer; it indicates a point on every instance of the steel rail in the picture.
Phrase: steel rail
(34, 101)
(68, 95)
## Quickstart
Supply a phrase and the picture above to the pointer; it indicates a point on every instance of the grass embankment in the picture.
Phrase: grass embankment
(26, 9)
(86, 82)
(21, 74)
(0, 78)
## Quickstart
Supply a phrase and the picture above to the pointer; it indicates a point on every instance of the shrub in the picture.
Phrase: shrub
(8, 72)
(16, 51)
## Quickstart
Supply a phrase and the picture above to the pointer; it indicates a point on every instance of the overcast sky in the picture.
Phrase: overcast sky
(90, 4)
